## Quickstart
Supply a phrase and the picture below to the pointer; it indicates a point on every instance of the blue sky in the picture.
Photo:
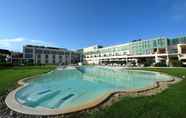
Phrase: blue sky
(76, 24)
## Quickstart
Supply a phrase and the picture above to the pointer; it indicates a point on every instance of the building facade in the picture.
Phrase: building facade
(49, 55)
(148, 52)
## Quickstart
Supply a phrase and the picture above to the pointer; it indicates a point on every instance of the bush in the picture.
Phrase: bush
(6, 65)
(176, 63)
(160, 64)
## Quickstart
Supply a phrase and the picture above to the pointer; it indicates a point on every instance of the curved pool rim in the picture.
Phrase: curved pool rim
(13, 104)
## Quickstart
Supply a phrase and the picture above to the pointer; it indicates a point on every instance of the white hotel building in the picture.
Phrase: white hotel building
(49, 55)
(147, 52)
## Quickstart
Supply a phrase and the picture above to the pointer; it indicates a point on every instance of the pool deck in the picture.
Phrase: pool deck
(13, 104)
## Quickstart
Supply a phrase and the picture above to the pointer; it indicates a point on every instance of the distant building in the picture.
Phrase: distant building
(17, 58)
(49, 55)
(10, 57)
(148, 52)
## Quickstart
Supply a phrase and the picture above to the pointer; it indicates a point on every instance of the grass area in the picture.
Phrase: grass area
(171, 103)
(9, 76)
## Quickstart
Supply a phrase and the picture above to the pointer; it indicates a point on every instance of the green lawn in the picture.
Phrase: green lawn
(9, 76)
(171, 103)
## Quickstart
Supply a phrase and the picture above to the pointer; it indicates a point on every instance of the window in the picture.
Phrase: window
(154, 43)
(61, 53)
(46, 56)
(28, 55)
(38, 56)
(60, 58)
(52, 52)
(54, 60)
(46, 61)
(46, 52)
(38, 51)
(27, 50)
(175, 41)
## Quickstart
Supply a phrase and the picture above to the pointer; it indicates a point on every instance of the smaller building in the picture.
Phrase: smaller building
(49, 55)
(17, 58)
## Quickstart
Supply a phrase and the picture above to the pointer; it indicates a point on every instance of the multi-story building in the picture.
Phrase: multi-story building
(49, 55)
(153, 51)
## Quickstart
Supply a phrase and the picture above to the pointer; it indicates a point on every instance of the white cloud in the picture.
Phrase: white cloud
(16, 44)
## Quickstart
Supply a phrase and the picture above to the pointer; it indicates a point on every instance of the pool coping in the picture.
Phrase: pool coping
(13, 104)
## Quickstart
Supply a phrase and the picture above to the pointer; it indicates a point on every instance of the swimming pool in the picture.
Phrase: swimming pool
(75, 88)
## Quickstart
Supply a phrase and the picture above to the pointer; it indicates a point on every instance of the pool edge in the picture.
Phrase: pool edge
(13, 104)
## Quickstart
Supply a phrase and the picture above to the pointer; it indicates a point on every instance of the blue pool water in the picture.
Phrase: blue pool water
(74, 86)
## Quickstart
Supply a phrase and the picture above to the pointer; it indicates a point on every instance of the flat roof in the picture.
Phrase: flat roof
(37, 46)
